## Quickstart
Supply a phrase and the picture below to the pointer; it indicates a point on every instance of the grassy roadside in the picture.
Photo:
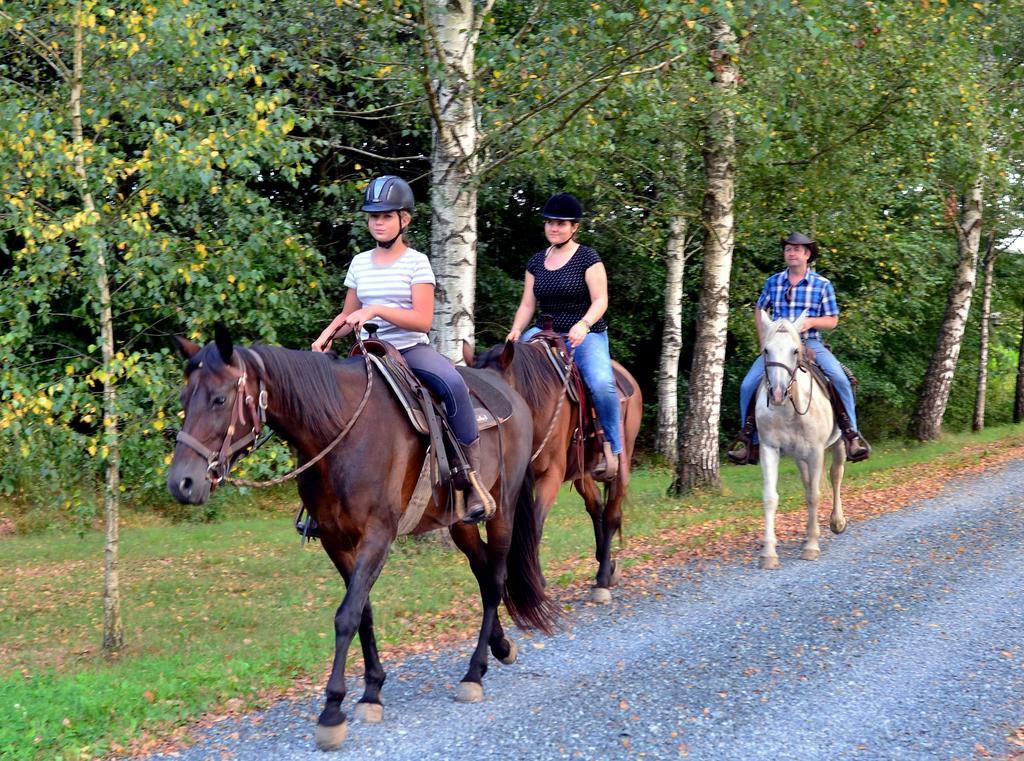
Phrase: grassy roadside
(222, 617)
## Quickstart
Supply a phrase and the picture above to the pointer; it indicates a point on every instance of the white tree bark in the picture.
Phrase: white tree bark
(671, 342)
(926, 424)
(451, 32)
(986, 315)
(698, 464)
(113, 626)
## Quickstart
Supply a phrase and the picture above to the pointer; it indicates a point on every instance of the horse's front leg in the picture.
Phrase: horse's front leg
(770, 473)
(837, 520)
(810, 472)
(353, 613)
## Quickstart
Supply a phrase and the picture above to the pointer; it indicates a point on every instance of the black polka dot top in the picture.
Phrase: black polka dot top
(563, 293)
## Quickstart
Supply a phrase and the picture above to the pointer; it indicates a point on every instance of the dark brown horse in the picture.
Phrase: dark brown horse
(529, 371)
(358, 491)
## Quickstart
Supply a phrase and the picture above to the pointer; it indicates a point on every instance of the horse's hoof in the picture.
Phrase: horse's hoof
(371, 713)
(513, 653)
(770, 564)
(600, 595)
(616, 576)
(810, 554)
(838, 525)
(469, 692)
(331, 738)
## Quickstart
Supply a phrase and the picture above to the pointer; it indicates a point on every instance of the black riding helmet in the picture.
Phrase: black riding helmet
(563, 206)
(388, 193)
(799, 239)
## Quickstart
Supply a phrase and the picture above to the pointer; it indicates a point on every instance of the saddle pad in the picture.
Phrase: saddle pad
(494, 400)
(623, 384)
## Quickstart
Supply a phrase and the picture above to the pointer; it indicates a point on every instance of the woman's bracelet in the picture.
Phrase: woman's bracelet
(584, 323)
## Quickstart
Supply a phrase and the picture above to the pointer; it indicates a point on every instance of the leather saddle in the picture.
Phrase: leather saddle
(589, 428)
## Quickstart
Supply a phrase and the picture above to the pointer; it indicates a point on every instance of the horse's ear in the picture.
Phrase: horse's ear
(222, 338)
(467, 353)
(766, 319)
(187, 349)
(798, 323)
(507, 353)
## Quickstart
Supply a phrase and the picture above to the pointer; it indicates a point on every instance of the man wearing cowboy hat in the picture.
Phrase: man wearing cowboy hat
(787, 294)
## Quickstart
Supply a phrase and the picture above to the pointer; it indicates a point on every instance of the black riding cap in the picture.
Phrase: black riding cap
(388, 193)
(799, 239)
(563, 206)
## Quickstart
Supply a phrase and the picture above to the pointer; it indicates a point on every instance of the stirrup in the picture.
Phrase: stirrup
(748, 455)
(607, 467)
(850, 439)
(487, 508)
(307, 527)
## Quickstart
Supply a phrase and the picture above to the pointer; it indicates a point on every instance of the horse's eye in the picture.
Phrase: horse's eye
(218, 401)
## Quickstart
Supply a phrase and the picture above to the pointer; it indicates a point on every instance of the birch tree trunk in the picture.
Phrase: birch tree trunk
(113, 627)
(1018, 396)
(926, 425)
(986, 314)
(671, 342)
(698, 464)
(452, 29)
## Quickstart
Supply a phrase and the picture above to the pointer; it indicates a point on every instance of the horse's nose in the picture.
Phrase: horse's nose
(777, 396)
(185, 486)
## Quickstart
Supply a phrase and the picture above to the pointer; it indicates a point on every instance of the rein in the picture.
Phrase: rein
(220, 462)
(558, 407)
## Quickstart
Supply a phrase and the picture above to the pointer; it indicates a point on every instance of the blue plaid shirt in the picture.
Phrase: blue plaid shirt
(814, 293)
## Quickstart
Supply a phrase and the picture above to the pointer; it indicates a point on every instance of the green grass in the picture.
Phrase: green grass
(217, 614)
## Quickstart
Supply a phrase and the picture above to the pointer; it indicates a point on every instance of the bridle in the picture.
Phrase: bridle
(800, 365)
(219, 461)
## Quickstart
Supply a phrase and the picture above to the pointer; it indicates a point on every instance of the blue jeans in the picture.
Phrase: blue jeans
(440, 376)
(828, 363)
(595, 363)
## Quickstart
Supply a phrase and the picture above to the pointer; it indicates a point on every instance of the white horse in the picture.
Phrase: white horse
(794, 417)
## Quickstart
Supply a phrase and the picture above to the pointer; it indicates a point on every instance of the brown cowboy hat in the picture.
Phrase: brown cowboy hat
(799, 239)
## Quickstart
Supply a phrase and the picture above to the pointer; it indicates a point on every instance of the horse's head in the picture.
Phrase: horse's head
(222, 404)
(783, 353)
(498, 358)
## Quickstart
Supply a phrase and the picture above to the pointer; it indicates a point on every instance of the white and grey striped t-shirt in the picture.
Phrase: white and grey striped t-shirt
(390, 286)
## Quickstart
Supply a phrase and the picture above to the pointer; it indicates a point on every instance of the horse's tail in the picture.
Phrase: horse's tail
(524, 594)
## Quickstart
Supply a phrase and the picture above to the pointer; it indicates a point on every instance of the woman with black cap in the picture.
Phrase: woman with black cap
(568, 281)
(787, 294)
(392, 285)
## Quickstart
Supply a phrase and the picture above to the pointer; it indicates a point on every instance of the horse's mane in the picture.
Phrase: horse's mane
(314, 396)
(533, 376)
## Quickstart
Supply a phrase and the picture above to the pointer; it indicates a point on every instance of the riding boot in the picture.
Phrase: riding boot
(747, 452)
(857, 447)
(479, 502)
(607, 467)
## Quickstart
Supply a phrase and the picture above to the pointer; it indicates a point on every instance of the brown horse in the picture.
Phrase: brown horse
(529, 371)
(358, 491)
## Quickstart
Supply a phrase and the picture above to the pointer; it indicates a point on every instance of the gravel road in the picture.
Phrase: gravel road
(905, 641)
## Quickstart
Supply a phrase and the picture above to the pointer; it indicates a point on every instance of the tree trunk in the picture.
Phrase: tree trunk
(698, 451)
(926, 425)
(113, 627)
(671, 342)
(1018, 396)
(986, 310)
(450, 39)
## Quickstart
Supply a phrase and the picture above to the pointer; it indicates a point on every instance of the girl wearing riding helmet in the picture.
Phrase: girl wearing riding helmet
(568, 281)
(392, 285)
